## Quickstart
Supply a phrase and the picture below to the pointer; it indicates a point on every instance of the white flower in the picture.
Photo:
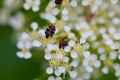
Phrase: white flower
(34, 4)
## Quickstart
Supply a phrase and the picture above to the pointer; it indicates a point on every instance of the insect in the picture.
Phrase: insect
(58, 1)
(63, 43)
(89, 17)
(50, 31)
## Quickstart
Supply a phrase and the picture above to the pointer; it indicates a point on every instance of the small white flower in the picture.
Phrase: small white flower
(49, 70)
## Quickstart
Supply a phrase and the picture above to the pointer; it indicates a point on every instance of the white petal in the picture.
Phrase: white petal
(37, 2)
(57, 73)
(86, 54)
(61, 69)
(34, 25)
(36, 43)
(89, 69)
(65, 59)
(73, 74)
(67, 49)
(48, 56)
(73, 3)
(58, 78)
(35, 8)
(74, 63)
(82, 40)
(59, 56)
(51, 78)
(49, 70)
(97, 64)
(24, 35)
(20, 54)
(105, 70)
(114, 1)
(71, 43)
(27, 55)
(26, 6)
(50, 47)
(74, 55)
(20, 44)
(65, 11)
(67, 28)
(28, 44)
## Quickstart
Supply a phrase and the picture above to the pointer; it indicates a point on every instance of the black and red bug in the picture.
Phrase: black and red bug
(58, 1)
(50, 31)
(63, 43)
(89, 17)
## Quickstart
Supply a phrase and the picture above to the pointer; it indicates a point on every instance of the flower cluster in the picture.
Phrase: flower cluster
(80, 38)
